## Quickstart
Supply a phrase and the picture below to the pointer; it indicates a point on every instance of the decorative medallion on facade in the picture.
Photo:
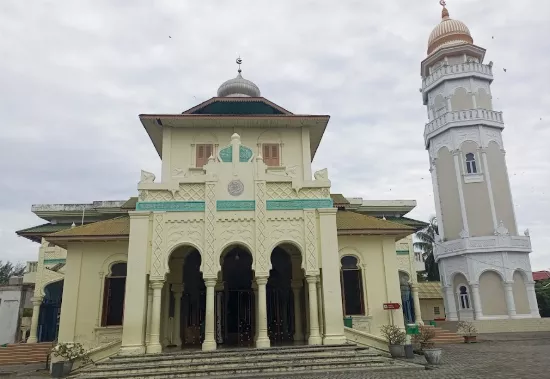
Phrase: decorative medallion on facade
(235, 187)
(226, 154)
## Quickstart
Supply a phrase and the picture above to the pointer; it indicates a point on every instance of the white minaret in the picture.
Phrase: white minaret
(483, 261)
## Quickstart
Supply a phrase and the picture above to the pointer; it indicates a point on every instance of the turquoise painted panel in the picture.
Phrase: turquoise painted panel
(171, 206)
(245, 153)
(402, 252)
(235, 205)
(226, 154)
(273, 205)
(54, 261)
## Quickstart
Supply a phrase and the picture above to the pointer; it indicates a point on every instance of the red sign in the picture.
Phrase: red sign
(390, 306)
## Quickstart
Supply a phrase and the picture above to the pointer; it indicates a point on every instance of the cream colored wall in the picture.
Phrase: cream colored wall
(87, 263)
(483, 99)
(380, 277)
(501, 187)
(427, 309)
(461, 100)
(520, 294)
(491, 290)
(476, 197)
(182, 153)
(448, 194)
(513, 326)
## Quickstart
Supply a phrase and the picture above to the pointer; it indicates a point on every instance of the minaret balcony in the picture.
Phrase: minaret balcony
(469, 117)
(455, 71)
(485, 244)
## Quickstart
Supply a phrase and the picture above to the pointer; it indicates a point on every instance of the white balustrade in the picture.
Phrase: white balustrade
(469, 115)
(449, 70)
(483, 244)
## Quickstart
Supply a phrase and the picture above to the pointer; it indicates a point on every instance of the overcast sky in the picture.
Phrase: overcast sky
(75, 74)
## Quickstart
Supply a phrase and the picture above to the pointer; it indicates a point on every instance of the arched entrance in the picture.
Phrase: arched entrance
(48, 322)
(235, 304)
(280, 304)
(193, 302)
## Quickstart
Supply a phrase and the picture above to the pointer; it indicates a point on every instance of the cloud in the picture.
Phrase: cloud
(75, 75)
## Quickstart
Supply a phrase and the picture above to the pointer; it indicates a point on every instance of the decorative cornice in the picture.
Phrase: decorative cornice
(298, 204)
(171, 206)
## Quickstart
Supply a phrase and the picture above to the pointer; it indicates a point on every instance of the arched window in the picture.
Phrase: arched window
(463, 297)
(113, 296)
(352, 286)
(471, 167)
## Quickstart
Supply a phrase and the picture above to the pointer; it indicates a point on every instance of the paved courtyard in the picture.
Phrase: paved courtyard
(502, 356)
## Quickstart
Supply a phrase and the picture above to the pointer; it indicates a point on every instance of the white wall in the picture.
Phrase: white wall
(10, 297)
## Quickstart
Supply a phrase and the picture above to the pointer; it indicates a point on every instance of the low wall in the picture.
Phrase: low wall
(366, 339)
(511, 325)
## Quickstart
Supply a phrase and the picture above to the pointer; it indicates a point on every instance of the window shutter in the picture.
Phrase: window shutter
(203, 153)
(271, 154)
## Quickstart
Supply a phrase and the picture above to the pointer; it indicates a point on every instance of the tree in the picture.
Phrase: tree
(542, 290)
(426, 244)
(8, 269)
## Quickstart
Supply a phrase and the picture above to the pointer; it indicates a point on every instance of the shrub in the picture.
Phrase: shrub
(71, 352)
(393, 334)
(466, 328)
(425, 337)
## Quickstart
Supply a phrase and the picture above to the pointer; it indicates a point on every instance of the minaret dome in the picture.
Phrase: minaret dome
(448, 32)
(238, 86)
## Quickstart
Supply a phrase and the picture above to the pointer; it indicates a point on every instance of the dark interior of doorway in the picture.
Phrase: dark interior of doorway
(280, 310)
(50, 310)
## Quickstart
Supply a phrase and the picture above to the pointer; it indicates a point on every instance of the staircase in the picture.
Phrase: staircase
(24, 353)
(443, 336)
(245, 362)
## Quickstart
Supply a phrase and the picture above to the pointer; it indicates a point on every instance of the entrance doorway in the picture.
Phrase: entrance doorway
(48, 322)
(193, 301)
(280, 309)
(235, 316)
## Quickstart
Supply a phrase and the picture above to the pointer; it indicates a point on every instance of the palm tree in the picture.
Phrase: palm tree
(426, 243)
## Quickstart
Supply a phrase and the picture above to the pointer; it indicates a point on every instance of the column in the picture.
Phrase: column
(149, 314)
(256, 323)
(177, 290)
(451, 311)
(36, 303)
(510, 303)
(262, 340)
(135, 300)
(320, 308)
(487, 173)
(531, 297)
(298, 332)
(332, 292)
(209, 342)
(314, 337)
(154, 345)
(456, 154)
(478, 312)
(166, 327)
(416, 302)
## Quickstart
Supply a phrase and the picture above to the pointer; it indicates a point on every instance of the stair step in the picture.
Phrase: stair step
(274, 367)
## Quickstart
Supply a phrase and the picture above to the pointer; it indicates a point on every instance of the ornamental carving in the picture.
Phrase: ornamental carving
(466, 134)
(235, 187)
(493, 135)
(442, 140)
(239, 230)
(310, 230)
(158, 245)
(178, 232)
(286, 230)
(210, 268)
(186, 192)
(284, 190)
(262, 264)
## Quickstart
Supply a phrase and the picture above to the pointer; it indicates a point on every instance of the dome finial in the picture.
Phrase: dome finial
(444, 12)
(239, 61)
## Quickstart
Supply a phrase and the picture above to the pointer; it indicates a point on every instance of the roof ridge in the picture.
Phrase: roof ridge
(87, 225)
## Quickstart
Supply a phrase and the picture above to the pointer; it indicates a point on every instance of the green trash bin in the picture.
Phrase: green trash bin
(348, 322)
(432, 323)
(412, 329)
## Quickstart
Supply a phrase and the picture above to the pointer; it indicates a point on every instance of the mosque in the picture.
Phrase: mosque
(239, 243)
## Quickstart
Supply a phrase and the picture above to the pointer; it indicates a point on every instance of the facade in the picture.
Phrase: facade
(483, 259)
(237, 244)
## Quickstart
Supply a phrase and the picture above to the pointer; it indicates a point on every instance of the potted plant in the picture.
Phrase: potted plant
(70, 352)
(468, 331)
(431, 353)
(396, 338)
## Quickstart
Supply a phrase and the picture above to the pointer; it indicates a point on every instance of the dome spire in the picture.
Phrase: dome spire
(239, 86)
(444, 11)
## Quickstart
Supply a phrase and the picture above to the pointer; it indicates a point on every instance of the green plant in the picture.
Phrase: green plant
(426, 243)
(71, 351)
(425, 336)
(466, 328)
(393, 334)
